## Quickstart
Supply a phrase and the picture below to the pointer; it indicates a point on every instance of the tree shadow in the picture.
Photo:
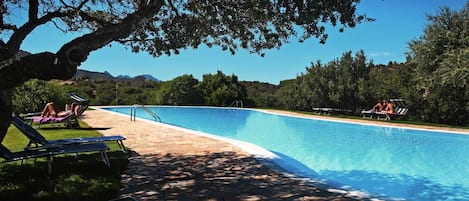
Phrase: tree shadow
(398, 186)
(73, 178)
(375, 184)
(217, 176)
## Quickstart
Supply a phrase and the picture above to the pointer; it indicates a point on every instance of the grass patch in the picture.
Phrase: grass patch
(73, 178)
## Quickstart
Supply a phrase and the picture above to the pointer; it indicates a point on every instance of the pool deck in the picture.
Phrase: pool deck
(176, 164)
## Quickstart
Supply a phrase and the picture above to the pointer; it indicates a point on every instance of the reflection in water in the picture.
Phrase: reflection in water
(397, 163)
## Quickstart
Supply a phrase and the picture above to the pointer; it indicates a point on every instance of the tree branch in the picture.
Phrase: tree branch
(4, 53)
(63, 64)
(170, 3)
(89, 18)
(17, 38)
(77, 50)
(33, 9)
(42, 66)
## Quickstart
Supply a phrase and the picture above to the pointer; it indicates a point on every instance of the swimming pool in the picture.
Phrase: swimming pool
(383, 161)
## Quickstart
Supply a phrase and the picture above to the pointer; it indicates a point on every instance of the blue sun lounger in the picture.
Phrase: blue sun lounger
(50, 152)
(35, 138)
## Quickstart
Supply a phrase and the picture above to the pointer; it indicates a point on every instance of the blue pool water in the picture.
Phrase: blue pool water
(383, 161)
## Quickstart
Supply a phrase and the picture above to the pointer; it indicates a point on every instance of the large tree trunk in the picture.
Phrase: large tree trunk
(5, 111)
(43, 66)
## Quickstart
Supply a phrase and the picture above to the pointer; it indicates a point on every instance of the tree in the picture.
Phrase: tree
(105, 93)
(260, 94)
(221, 90)
(441, 60)
(288, 94)
(155, 26)
(335, 84)
(181, 90)
(32, 95)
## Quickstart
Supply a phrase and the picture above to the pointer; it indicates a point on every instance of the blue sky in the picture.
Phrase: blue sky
(386, 39)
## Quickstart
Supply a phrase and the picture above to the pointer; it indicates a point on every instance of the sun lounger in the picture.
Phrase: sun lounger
(127, 198)
(50, 152)
(45, 120)
(400, 111)
(70, 120)
(36, 139)
(329, 111)
(368, 114)
(82, 102)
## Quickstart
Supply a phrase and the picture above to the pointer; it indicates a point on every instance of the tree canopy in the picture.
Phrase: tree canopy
(434, 80)
(441, 60)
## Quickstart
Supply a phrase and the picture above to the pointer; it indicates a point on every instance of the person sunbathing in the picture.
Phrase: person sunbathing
(389, 107)
(378, 107)
(50, 110)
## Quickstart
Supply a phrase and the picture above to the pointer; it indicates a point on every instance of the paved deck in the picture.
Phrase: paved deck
(172, 164)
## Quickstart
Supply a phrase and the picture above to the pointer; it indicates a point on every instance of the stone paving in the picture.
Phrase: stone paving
(173, 164)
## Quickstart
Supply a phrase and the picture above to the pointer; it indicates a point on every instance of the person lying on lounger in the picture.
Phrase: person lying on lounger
(389, 107)
(50, 110)
(378, 107)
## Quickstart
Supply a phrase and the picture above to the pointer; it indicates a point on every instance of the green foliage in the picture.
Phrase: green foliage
(180, 91)
(339, 84)
(441, 60)
(221, 90)
(85, 89)
(34, 94)
(260, 94)
(105, 93)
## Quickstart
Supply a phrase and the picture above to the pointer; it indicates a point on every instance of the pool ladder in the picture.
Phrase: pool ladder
(237, 103)
(133, 112)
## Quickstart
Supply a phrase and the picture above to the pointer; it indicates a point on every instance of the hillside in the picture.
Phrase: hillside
(84, 74)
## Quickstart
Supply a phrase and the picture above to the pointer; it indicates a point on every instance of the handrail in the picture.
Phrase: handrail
(133, 112)
(237, 103)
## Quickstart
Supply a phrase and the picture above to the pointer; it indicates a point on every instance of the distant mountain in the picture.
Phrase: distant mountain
(145, 76)
(107, 73)
(124, 77)
(84, 74)
(150, 77)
